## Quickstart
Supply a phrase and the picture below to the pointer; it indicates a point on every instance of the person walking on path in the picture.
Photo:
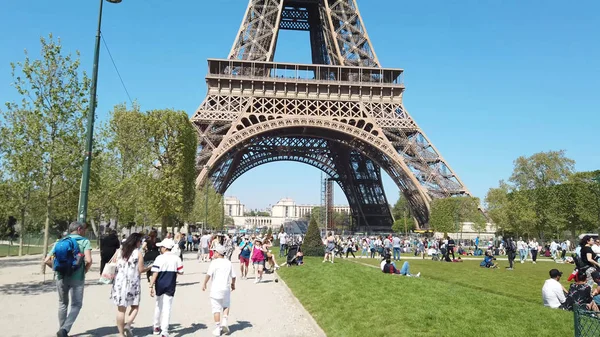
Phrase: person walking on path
(329, 248)
(71, 281)
(190, 241)
(396, 247)
(522, 247)
(164, 280)
(126, 288)
(258, 259)
(108, 246)
(283, 245)
(151, 250)
(246, 250)
(511, 252)
(223, 283)
(533, 246)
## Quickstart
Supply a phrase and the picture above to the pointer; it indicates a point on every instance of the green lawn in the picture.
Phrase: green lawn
(450, 299)
(13, 250)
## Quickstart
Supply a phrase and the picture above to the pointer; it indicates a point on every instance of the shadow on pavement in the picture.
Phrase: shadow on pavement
(35, 288)
(21, 261)
(239, 326)
(189, 330)
(104, 331)
(187, 284)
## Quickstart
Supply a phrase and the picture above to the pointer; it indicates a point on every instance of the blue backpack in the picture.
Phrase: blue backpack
(67, 257)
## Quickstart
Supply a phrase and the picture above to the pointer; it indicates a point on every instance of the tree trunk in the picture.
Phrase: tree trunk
(163, 226)
(94, 228)
(22, 232)
(47, 224)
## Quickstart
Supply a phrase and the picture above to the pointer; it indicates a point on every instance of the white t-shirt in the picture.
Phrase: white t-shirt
(552, 293)
(282, 238)
(221, 272)
(204, 240)
(396, 242)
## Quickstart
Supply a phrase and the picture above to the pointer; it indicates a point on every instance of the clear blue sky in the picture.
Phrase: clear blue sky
(487, 80)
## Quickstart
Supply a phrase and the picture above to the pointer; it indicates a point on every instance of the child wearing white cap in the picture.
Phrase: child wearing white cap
(165, 269)
(223, 283)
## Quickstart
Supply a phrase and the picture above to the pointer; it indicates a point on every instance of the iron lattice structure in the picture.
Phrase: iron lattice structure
(342, 114)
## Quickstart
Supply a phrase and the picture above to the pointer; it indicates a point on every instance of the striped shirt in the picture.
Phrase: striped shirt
(167, 265)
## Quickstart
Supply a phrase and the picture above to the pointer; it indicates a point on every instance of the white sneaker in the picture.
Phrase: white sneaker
(256, 280)
(418, 274)
(224, 326)
(217, 331)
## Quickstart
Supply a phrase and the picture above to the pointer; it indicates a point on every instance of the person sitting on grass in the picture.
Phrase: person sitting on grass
(299, 257)
(488, 260)
(389, 267)
(553, 293)
(580, 293)
(596, 292)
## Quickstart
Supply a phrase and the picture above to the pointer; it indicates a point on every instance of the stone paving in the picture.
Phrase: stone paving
(266, 309)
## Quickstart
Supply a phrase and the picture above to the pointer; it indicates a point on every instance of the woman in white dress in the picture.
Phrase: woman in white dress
(126, 287)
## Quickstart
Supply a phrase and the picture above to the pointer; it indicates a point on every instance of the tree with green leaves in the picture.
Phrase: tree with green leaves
(537, 174)
(448, 213)
(20, 162)
(403, 219)
(313, 244)
(55, 94)
(215, 208)
(122, 168)
(173, 146)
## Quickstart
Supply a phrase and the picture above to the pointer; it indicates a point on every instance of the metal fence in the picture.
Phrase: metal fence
(587, 323)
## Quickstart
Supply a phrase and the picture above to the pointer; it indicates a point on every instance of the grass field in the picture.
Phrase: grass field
(450, 299)
(13, 250)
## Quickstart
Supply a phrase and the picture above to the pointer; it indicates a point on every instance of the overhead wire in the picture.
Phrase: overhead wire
(116, 68)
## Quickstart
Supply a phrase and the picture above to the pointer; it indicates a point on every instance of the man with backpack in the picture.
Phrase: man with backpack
(71, 259)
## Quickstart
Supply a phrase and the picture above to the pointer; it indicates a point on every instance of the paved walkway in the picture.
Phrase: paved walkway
(29, 305)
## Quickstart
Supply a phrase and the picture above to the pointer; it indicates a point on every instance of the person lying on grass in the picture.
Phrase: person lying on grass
(389, 267)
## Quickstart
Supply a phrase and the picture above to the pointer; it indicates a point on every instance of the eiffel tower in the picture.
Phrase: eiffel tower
(342, 114)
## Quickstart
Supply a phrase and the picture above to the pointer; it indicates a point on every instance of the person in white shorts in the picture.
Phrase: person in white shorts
(223, 283)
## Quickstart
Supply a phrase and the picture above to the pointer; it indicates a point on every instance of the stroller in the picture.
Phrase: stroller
(292, 256)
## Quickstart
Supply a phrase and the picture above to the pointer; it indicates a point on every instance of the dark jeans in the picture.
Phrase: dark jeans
(511, 259)
(189, 246)
(283, 250)
(76, 288)
(534, 254)
(450, 251)
(349, 250)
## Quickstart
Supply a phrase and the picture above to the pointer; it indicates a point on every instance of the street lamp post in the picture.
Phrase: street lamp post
(89, 142)
(206, 203)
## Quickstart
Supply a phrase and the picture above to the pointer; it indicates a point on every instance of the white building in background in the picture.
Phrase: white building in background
(284, 210)
(234, 207)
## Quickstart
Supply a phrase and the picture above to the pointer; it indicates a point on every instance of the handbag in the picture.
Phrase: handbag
(110, 270)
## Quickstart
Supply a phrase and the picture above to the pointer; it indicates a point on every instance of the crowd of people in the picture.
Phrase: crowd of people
(124, 261)
(162, 261)
(585, 290)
